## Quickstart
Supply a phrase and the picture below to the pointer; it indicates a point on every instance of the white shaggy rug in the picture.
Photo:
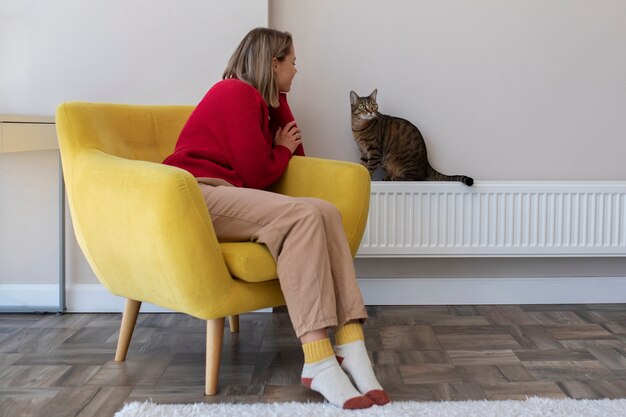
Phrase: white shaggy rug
(532, 407)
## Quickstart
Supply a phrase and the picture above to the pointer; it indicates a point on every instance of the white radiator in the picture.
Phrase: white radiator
(431, 219)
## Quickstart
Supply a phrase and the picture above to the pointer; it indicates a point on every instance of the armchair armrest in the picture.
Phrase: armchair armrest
(344, 184)
(145, 227)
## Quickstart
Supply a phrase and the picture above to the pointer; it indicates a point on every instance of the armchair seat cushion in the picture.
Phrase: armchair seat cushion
(249, 261)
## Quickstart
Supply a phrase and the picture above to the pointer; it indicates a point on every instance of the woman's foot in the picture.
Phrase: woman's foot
(322, 373)
(352, 355)
(327, 378)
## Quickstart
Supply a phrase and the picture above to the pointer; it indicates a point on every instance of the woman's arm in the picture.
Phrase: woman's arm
(282, 115)
(250, 153)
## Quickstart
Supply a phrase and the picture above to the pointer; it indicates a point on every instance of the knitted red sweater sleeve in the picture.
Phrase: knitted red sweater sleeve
(281, 116)
(250, 152)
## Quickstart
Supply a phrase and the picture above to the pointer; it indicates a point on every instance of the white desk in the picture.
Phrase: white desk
(26, 215)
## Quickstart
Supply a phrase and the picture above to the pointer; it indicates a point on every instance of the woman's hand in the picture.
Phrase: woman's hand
(289, 136)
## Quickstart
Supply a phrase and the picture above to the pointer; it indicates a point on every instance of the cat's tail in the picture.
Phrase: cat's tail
(434, 175)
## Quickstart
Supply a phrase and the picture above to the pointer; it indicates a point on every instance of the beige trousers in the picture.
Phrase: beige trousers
(306, 238)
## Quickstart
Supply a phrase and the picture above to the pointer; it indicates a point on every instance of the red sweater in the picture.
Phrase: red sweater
(230, 135)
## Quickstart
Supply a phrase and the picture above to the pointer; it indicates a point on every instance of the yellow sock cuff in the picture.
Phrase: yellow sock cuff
(318, 350)
(349, 333)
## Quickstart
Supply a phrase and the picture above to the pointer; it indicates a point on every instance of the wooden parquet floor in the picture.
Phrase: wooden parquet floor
(57, 366)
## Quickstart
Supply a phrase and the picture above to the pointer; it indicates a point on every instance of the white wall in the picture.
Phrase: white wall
(532, 90)
(501, 90)
(139, 51)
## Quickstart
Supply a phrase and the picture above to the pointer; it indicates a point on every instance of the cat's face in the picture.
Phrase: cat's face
(364, 107)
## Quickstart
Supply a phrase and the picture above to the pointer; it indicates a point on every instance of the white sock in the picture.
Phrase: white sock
(356, 362)
(327, 378)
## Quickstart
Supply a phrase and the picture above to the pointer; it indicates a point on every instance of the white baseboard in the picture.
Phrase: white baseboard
(95, 298)
(456, 291)
(25, 295)
(82, 298)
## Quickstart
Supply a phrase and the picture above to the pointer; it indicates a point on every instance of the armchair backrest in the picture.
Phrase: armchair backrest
(147, 133)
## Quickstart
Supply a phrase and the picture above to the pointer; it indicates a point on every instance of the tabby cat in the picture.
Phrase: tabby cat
(393, 143)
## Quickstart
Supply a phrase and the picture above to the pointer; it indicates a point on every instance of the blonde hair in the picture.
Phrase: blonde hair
(252, 61)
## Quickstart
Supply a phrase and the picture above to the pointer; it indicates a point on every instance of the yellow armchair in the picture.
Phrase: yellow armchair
(145, 230)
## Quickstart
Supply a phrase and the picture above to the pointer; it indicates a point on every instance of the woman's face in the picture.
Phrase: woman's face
(285, 70)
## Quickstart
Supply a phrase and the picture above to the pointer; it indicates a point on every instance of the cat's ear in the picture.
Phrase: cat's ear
(353, 98)
(373, 95)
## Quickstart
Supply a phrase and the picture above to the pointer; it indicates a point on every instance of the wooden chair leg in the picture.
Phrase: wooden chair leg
(214, 338)
(233, 321)
(129, 318)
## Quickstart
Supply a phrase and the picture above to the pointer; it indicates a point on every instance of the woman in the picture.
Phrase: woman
(237, 142)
